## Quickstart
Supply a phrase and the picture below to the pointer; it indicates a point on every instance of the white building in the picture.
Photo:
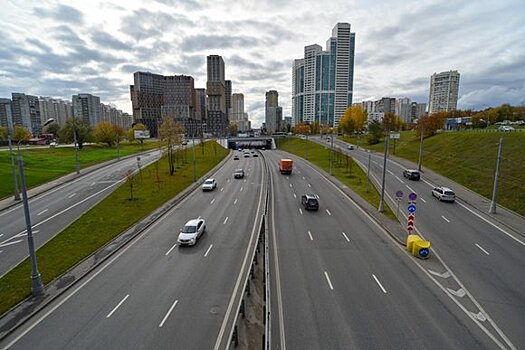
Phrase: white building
(444, 90)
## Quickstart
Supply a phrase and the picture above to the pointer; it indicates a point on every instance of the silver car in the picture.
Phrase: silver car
(209, 185)
(191, 232)
(444, 194)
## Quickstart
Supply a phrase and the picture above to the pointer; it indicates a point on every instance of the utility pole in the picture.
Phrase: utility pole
(382, 200)
(492, 209)
(331, 152)
(368, 172)
(420, 146)
(13, 171)
(75, 142)
(194, 161)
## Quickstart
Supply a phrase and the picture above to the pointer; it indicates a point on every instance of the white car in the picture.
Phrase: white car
(444, 194)
(53, 144)
(191, 232)
(209, 185)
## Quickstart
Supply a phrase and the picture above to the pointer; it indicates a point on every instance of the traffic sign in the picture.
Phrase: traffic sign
(411, 208)
(399, 194)
(423, 252)
(412, 196)
(410, 217)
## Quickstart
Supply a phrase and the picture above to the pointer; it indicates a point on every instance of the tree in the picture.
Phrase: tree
(131, 132)
(316, 128)
(354, 119)
(52, 128)
(77, 126)
(105, 132)
(375, 130)
(170, 132)
(303, 129)
(233, 129)
(21, 133)
(3, 133)
(430, 124)
(129, 180)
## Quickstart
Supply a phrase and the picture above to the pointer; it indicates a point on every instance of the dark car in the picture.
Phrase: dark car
(411, 174)
(235, 157)
(310, 201)
(238, 174)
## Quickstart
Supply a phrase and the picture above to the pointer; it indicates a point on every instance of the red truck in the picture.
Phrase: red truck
(285, 166)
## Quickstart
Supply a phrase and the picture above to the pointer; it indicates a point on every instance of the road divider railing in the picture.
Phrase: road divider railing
(418, 247)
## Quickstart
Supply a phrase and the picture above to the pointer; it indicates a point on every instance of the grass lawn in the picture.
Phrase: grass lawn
(42, 165)
(469, 158)
(107, 220)
(344, 168)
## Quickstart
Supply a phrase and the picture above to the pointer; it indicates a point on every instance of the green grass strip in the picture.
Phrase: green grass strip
(45, 164)
(344, 168)
(469, 158)
(107, 220)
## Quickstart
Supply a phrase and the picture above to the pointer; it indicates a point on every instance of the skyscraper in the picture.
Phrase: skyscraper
(273, 113)
(322, 85)
(6, 116)
(444, 89)
(217, 122)
(26, 112)
(87, 108)
(238, 116)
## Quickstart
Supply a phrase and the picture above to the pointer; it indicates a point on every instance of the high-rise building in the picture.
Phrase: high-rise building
(26, 112)
(6, 115)
(55, 108)
(322, 81)
(87, 108)
(402, 109)
(273, 113)
(200, 106)
(216, 119)
(417, 110)
(238, 116)
(228, 96)
(385, 105)
(444, 89)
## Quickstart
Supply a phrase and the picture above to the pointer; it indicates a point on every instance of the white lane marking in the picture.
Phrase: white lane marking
(328, 280)
(72, 195)
(169, 251)
(460, 293)
(328, 211)
(225, 220)
(490, 223)
(379, 283)
(444, 218)
(346, 237)
(310, 234)
(290, 185)
(118, 305)
(376, 163)
(424, 201)
(199, 217)
(93, 184)
(304, 178)
(63, 211)
(42, 212)
(241, 189)
(1, 234)
(168, 314)
(222, 189)
(445, 274)
(228, 180)
(483, 250)
(309, 185)
(390, 172)
(213, 200)
(206, 254)
(10, 243)
(35, 231)
(235, 201)
(411, 190)
(294, 195)
(397, 177)
(301, 211)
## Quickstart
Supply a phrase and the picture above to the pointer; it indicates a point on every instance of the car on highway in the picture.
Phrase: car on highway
(235, 157)
(209, 185)
(350, 147)
(246, 155)
(238, 173)
(444, 194)
(53, 144)
(191, 232)
(310, 201)
(411, 174)
(255, 155)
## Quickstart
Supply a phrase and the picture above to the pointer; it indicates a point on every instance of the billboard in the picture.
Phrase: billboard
(141, 134)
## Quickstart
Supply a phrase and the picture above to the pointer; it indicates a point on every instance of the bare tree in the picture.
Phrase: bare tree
(129, 181)
(170, 132)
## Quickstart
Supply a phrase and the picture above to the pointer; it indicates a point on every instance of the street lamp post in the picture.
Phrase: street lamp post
(13, 171)
(193, 144)
(76, 151)
(382, 199)
(420, 147)
(331, 152)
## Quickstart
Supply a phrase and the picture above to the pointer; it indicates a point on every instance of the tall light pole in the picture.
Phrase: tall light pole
(75, 143)
(492, 209)
(193, 143)
(420, 146)
(13, 171)
(382, 200)
(331, 152)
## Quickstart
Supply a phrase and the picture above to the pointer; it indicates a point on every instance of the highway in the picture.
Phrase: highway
(153, 294)
(341, 283)
(55, 209)
(486, 257)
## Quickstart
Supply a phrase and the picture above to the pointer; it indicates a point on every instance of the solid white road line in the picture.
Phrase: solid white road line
(328, 212)
(10, 243)
(397, 177)
(168, 314)
(213, 200)
(483, 250)
(424, 201)
(42, 212)
(379, 283)
(444, 218)
(225, 220)
(294, 195)
(118, 305)
(206, 254)
(310, 234)
(346, 237)
(169, 251)
(328, 280)
(235, 201)
(71, 195)
(301, 211)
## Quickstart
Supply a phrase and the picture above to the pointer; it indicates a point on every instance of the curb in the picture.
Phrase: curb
(26, 309)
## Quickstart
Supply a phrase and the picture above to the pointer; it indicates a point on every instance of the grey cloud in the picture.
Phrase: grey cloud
(186, 4)
(61, 13)
(67, 36)
(144, 24)
(109, 41)
(202, 42)
(131, 68)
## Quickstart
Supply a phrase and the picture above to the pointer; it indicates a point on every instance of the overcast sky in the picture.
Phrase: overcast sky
(59, 48)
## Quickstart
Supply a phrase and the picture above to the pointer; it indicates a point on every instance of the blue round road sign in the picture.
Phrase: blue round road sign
(411, 208)
(399, 194)
(412, 196)
(423, 252)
